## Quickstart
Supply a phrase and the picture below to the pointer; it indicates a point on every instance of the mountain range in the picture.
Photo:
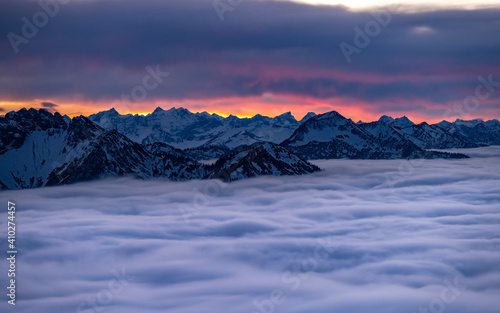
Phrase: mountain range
(39, 148)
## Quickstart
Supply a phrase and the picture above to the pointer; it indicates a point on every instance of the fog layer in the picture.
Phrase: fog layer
(378, 236)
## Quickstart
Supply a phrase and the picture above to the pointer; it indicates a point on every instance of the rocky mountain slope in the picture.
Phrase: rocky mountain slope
(260, 159)
(39, 148)
(211, 136)
(43, 149)
(332, 136)
(183, 129)
(476, 131)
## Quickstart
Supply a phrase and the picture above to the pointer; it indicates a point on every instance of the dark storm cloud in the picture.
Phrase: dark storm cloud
(99, 49)
(48, 105)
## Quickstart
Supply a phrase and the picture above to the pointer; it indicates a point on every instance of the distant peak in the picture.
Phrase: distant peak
(159, 110)
(308, 116)
(31, 112)
(473, 120)
(286, 116)
(331, 114)
(111, 111)
(493, 121)
(469, 123)
(403, 121)
(385, 119)
(178, 110)
(67, 119)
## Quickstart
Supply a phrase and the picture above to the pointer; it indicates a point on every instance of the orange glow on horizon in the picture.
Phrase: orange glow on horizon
(244, 107)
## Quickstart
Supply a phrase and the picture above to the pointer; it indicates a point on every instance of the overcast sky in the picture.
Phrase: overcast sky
(251, 57)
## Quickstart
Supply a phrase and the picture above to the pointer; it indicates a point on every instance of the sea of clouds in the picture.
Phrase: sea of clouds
(378, 236)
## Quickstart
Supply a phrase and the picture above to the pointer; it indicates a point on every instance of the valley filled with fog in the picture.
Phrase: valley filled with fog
(378, 236)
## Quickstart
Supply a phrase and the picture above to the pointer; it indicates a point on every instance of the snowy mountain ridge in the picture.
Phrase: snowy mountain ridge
(40, 149)
(43, 149)
(183, 129)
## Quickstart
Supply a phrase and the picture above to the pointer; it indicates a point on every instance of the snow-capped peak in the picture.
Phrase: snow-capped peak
(286, 117)
(386, 119)
(113, 111)
(308, 116)
(158, 110)
(402, 122)
(332, 116)
(470, 123)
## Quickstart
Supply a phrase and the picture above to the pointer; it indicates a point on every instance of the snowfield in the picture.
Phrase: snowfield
(378, 236)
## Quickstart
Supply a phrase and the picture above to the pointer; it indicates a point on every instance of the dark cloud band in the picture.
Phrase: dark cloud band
(83, 51)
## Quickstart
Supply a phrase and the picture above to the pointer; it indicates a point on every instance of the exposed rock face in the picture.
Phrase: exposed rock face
(332, 136)
(261, 159)
(38, 148)
(44, 149)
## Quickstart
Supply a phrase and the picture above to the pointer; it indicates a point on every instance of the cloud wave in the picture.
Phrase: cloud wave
(340, 239)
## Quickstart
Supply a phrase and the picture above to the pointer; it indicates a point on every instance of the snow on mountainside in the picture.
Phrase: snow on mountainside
(44, 149)
(55, 152)
(34, 142)
(331, 135)
(261, 159)
(162, 148)
(434, 137)
(328, 126)
(398, 122)
(394, 143)
(39, 148)
(476, 131)
(424, 135)
(206, 152)
(16, 126)
(183, 129)
(446, 135)
(106, 154)
(308, 116)
(177, 127)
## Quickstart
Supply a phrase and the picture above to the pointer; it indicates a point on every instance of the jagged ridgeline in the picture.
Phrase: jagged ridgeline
(38, 148)
(43, 149)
